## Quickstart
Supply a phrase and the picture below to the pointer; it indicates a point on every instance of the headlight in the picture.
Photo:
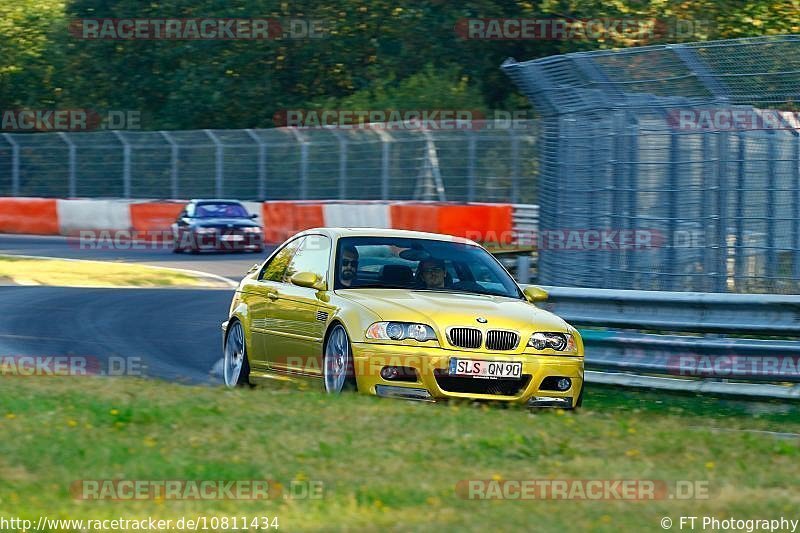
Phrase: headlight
(398, 331)
(204, 231)
(252, 230)
(560, 342)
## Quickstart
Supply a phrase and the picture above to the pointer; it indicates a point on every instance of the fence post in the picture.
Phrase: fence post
(386, 145)
(705, 203)
(303, 162)
(173, 174)
(772, 260)
(672, 203)
(632, 220)
(471, 149)
(72, 170)
(738, 248)
(126, 164)
(721, 279)
(14, 164)
(514, 166)
(262, 165)
(796, 209)
(342, 163)
(220, 154)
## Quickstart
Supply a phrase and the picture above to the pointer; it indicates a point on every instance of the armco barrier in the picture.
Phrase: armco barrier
(281, 219)
(621, 347)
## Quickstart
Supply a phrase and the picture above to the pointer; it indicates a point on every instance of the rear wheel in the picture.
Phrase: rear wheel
(338, 362)
(236, 367)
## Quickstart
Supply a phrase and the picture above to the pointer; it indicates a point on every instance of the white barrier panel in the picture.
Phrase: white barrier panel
(357, 215)
(76, 215)
(254, 208)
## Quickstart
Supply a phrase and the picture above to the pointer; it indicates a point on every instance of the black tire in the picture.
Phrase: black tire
(243, 379)
(579, 401)
(349, 383)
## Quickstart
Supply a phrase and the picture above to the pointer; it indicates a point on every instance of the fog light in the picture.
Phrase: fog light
(564, 384)
(389, 372)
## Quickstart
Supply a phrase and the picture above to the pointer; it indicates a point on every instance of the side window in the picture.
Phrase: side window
(273, 271)
(189, 211)
(313, 256)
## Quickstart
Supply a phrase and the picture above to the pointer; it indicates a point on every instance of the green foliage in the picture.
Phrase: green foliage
(376, 54)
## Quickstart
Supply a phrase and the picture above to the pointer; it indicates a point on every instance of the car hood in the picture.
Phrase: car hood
(442, 309)
(224, 222)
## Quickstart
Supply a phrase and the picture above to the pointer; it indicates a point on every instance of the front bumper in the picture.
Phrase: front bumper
(229, 242)
(430, 380)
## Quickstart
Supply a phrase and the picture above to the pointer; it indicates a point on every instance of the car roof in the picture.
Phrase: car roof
(386, 232)
(214, 201)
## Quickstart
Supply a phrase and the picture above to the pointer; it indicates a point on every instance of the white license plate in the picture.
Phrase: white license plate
(232, 237)
(484, 369)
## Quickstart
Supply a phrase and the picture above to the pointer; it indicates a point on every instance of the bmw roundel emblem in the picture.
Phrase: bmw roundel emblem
(481, 320)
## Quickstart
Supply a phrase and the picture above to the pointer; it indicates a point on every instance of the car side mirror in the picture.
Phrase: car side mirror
(535, 294)
(308, 279)
(253, 216)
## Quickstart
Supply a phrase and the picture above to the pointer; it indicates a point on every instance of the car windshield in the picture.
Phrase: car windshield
(221, 210)
(420, 264)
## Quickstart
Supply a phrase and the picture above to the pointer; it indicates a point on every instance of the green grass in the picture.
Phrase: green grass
(71, 273)
(386, 465)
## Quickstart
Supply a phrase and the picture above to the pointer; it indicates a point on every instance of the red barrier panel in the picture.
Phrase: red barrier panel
(155, 217)
(37, 216)
(479, 222)
(284, 219)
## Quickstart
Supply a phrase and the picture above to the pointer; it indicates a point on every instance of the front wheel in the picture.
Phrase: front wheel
(579, 401)
(236, 367)
(338, 363)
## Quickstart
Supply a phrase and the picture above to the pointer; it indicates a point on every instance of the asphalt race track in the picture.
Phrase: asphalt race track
(229, 265)
(174, 333)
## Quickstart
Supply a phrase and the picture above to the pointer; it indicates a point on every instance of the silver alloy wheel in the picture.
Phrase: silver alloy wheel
(337, 360)
(234, 355)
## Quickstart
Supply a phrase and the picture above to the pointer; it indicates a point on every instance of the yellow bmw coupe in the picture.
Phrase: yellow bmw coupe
(400, 314)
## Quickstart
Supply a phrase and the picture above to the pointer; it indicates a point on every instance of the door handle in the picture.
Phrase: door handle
(272, 296)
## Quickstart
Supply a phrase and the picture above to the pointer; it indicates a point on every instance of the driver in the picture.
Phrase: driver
(432, 273)
(348, 267)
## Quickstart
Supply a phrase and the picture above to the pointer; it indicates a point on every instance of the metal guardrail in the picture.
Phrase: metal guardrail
(693, 342)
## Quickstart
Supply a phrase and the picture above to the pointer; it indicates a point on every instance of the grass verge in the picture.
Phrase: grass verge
(385, 465)
(80, 273)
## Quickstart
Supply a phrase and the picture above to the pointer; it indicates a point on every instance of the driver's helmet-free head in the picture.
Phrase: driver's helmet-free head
(435, 270)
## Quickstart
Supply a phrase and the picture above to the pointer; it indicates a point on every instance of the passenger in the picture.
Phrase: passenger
(431, 273)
